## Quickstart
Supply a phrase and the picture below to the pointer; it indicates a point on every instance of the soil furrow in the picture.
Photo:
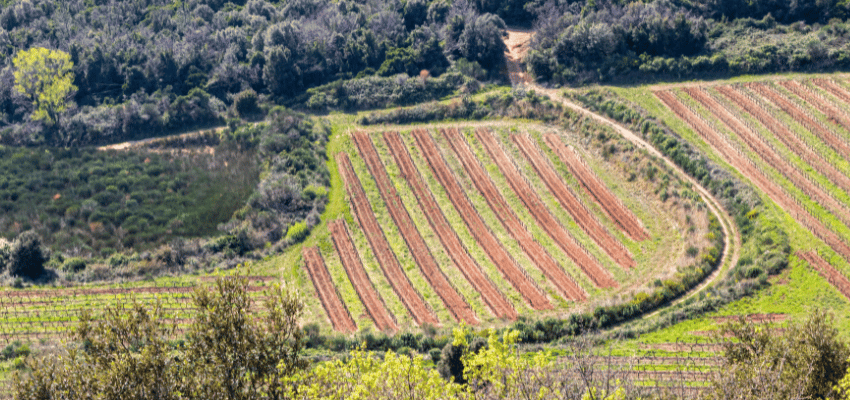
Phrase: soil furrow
(823, 105)
(453, 301)
(378, 241)
(572, 204)
(813, 126)
(826, 270)
(790, 139)
(769, 155)
(494, 299)
(563, 282)
(357, 274)
(760, 179)
(335, 308)
(588, 264)
(506, 264)
(612, 206)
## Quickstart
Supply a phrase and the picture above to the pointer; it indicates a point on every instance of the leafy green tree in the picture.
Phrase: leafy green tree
(46, 77)
(27, 256)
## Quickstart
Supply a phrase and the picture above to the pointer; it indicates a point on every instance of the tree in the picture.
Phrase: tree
(46, 77)
(27, 256)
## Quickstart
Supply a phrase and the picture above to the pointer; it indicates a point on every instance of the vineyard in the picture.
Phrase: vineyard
(479, 225)
(790, 138)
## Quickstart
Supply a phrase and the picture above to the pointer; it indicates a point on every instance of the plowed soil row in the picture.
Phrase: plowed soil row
(386, 258)
(563, 282)
(357, 274)
(572, 204)
(746, 167)
(335, 308)
(588, 264)
(834, 89)
(494, 299)
(612, 206)
(813, 126)
(791, 140)
(832, 275)
(767, 153)
(506, 264)
(823, 105)
(453, 301)
(108, 291)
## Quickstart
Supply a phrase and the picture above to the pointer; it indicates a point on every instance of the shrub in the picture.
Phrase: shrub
(75, 264)
(297, 232)
(246, 103)
(27, 256)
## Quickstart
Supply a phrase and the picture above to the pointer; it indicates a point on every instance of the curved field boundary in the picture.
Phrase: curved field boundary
(822, 104)
(572, 204)
(740, 162)
(386, 258)
(616, 210)
(453, 301)
(335, 308)
(357, 274)
(790, 139)
(769, 155)
(563, 282)
(588, 264)
(826, 270)
(800, 116)
(506, 264)
(494, 299)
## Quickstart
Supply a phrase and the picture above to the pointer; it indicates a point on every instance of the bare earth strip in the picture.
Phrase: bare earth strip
(823, 105)
(769, 155)
(357, 274)
(588, 264)
(338, 314)
(746, 167)
(790, 139)
(833, 89)
(572, 204)
(506, 264)
(453, 301)
(827, 271)
(563, 282)
(612, 206)
(386, 258)
(816, 128)
(494, 299)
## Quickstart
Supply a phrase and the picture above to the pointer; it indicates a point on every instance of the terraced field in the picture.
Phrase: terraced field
(481, 225)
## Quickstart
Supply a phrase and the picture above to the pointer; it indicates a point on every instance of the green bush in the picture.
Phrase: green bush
(297, 232)
(27, 256)
(74, 265)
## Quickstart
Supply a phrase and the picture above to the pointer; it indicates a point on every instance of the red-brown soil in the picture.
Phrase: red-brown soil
(572, 204)
(361, 209)
(756, 318)
(769, 155)
(833, 89)
(804, 119)
(494, 299)
(563, 282)
(335, 308)
(749, 169)
(453, 301)
(588, 264)
(791, 140)
(357, 274)
(518, 278)
(612, 206)
(829, 272)
(823, 105)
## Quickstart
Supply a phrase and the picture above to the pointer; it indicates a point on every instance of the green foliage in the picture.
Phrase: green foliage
(246, 103)
(46, 77)
(297, 232)
(75, 264)
(378, 92)
(27, 256)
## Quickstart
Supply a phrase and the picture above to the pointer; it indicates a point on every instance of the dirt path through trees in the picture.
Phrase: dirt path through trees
(495, 300)
(328, 294)
(361, 208)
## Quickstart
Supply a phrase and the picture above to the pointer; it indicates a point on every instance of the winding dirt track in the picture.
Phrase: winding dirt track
(827, 271)
(612, 206)
(494, 299)
(572, 204)
(804, 119)
(746, 167)
(769, 155)
(453, 301)
(335, 308)
(506, 264)
(790, 139)
(823, 105)
(357, 274)
(412, 300)
(563, 282)
(588, 264)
